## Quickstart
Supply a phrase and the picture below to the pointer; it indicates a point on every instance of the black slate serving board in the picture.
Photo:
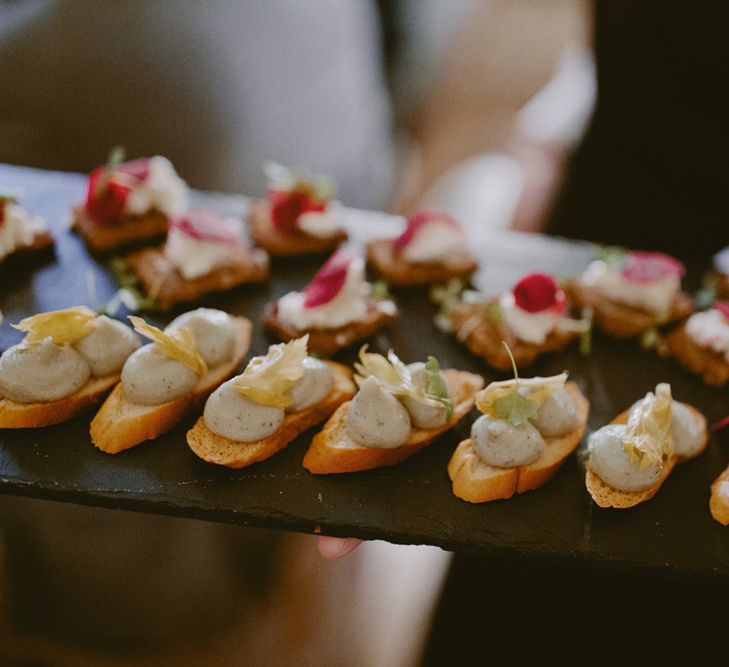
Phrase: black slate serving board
(411, 503)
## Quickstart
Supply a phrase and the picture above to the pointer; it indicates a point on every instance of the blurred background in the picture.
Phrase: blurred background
(471, 106)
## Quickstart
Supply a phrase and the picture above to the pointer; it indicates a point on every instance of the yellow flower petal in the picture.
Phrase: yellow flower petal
(61, 326)
(178, 344)
(648, 437)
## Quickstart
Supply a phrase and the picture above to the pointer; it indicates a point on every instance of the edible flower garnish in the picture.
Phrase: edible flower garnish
(504, 400)
(204, 225)
(419, 220)
(649, 267)
(328, 281)
(61, 326)
(178, 344)
(723, 308)
(394, 376)
(266, 380)
(537, 292)
(647, 437)
(116, 157)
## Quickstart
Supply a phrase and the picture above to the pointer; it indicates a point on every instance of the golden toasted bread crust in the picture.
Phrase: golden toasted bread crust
(478, 482)
(711, 366)
(329, 341)
(719, 502)
(621, 321)
(216, 449)
(396, 270)
(283, 244)
(168, 287)
(120, 424)
(333, 451)
(472, 325)
(605, 495)
(36, 415)
(42, 242)
(134, 230)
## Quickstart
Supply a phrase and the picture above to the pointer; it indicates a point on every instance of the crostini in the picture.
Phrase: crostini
(128, 203)
(336, 309)
(397, 411)
(719, 502)
(632, 292)
(298, 215)
(278, 396)
(21, 234)
(432, 249)
(531, 318)
(527, 430)
(204, 252)
(629, 459)
(67, 362)
(164, 379)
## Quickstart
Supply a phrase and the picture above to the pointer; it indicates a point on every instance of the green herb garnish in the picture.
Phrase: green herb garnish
(514, 407)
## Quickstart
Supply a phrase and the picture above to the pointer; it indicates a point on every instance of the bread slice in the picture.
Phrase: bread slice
(330, 341)
(719, 502)
(42, 244)
(476, 481)
(120, 424)
(621, 321)
(36, 415)
(101, 239)
(287, 244)
(711, 366)
(483, 336)
(396, 270)
(333, 451)
(168, 287)
(222, 451)
(605, 495)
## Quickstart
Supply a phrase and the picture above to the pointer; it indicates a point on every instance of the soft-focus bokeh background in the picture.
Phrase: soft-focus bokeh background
(471, 106)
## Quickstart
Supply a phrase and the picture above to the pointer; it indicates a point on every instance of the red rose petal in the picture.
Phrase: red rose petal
(328, 281)
(416, 222)
(649, 267)
(288, 206)
(723, 308)
(108, 205)
(204, 225)
(137, 168)
(722, 424)
(537, 292)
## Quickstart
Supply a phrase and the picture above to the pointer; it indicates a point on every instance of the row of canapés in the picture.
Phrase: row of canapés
(628, 294)
(72, 359)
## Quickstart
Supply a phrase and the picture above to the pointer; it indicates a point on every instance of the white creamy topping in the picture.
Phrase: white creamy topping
(163, 190)
(425, 413)
(214, 333)
(655, 297)
(687, 428)
(721, 261)
(18, 228)
(152, 378)
(230, 414)
(41, 373)
(557, 415)
(107, 347)
(321, 223)
(504, 446)
(197, 257)
(376, 418)
(435, 240)
(526, 326)
(313, 386)
(610, 461)
(710, 329)
(348, 306)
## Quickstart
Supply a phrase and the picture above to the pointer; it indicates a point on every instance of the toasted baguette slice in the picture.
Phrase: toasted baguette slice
(605, 495)
(169, 287)
(222, 451)
(719, 503)
(472, 325)
(41, 245)
(36, 415)
(711, 366)
(135, 230)
(330, 341)
(621, 321)
(396, 270)
(478, 482)
(333, 451)
(288, 244)
(120, 424)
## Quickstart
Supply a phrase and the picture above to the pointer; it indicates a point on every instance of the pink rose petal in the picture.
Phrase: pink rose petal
(417, 221)
(328, 281)
(723, 308)
(204, 225)
(138, 168)
(649, 267)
